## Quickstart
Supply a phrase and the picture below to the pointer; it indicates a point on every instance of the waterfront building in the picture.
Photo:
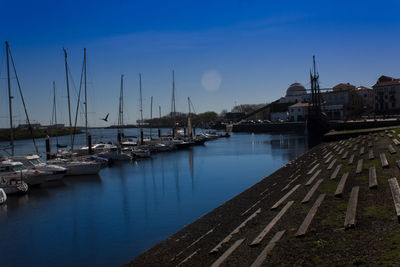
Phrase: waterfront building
(343, 87)
(279, 116)
(298, 111)
(295, 93)
(334, 112)
(367, 95)
(343, 101)
(34, 125)
(386, 95)
(346, 96)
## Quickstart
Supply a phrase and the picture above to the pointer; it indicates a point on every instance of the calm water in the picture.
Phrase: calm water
(109, 219)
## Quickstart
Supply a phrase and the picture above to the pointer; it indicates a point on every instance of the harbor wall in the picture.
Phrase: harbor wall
(299, 127)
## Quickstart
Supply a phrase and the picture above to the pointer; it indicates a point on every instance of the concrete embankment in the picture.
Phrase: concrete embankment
(334, 205)
(267, 127)
(300, 127)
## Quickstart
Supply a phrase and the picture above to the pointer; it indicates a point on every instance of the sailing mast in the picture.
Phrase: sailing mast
(69, 101)
(159, 130)
(189, 121)
(10, 101)
(151, 116)
(22, 99)
(121, 110)
(141, 109)
(55, 111)
(86, 113)
(173, 107)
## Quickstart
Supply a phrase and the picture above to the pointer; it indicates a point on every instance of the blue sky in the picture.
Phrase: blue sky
(223, 52)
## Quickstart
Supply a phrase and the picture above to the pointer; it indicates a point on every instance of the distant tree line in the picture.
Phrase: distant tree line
(202, 120)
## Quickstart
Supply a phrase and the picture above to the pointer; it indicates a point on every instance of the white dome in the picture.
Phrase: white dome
(296, 89)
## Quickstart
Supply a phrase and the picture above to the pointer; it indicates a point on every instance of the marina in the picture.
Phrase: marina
(184, 133)
(130, 206)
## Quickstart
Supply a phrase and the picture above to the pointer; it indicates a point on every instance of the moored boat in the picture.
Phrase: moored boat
(78, 167)
(34, 162)
(3, 196)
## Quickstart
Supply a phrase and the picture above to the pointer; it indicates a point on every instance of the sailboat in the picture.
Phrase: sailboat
(75, 167)
(114, 152)
(28, 176)
(192, 137)
(141, 151)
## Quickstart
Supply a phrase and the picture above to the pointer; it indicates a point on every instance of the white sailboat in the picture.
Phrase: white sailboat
(3, 196)
(75, 167)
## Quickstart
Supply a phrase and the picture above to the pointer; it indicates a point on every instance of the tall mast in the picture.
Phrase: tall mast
(10, 101)
(159, 130)
(189, 105)
(189, 121)
(69, 101)
(86, 113)
(151, 116)
(55, 110)
(173, 108)
(141, 108)
(121, 109)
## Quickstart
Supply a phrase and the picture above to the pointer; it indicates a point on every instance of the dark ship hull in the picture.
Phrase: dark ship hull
(317, 126)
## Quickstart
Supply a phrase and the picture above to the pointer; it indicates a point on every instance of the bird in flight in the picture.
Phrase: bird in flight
(106, 118)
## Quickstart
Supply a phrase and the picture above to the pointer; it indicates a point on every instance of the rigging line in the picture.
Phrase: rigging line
(23, 102)
(77, 105)
(72, 81)
(55, 113)
(191, 103)
(1, 66)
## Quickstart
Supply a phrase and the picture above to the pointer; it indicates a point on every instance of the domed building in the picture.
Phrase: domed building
(295, 93)
(296, 89)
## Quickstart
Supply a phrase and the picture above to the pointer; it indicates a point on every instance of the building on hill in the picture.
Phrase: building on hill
(387, 95)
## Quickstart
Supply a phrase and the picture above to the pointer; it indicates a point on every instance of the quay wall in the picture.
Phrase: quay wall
(267, 127)
(299, 127)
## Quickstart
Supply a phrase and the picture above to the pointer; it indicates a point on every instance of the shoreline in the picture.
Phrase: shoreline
(24, 134)
(375, 238)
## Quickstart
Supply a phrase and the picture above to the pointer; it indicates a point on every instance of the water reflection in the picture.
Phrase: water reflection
(176, 174)
(191, 166)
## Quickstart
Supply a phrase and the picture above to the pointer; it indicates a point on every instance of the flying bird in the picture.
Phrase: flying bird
(106, 118)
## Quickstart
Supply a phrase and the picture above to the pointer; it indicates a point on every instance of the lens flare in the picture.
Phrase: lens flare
(211, 80)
